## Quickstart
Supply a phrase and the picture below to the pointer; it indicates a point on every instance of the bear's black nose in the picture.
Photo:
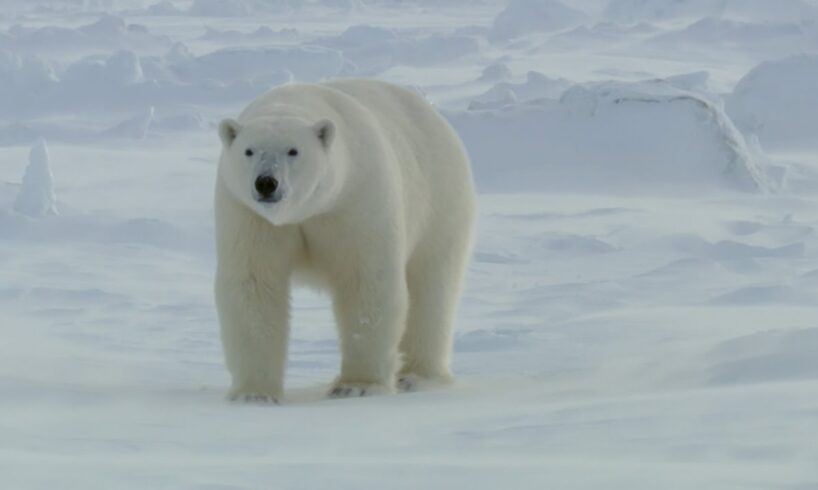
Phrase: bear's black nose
(266, 185)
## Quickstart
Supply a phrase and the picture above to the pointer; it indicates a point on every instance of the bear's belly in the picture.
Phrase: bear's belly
(309, 276)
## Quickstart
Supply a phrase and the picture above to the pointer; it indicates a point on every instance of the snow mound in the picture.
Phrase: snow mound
(36, 196)
(106, 33)
(778, 101)
(526, 16)
(611, 137)
(26, 76)
(122, 68)
(536, 86)
(30, 87)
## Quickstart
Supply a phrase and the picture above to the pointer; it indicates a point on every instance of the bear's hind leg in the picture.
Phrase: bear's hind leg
(434, 289)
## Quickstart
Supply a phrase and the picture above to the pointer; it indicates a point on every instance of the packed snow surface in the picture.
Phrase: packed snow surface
(641, 310)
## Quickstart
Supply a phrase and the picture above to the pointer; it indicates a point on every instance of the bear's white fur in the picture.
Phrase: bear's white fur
(374, 202)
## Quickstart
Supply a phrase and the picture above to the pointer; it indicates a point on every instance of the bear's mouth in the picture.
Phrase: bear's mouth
(269, 199)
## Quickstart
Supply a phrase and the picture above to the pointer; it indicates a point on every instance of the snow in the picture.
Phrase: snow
(778, 102)
(598, 136)
(99, 36)
(632, 10)
(682, 10)
(526, 16)
(261, 65)
(369, 49)
(36, 197)
(640, 311)
(713, 34)
(536, 86)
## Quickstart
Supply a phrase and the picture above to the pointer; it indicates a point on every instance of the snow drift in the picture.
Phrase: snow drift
(599, 137)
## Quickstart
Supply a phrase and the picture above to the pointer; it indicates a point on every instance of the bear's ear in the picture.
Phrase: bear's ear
(228, 130)
(325, 130)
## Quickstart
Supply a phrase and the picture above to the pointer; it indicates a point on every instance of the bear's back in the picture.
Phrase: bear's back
(422, 140)
(437, 182)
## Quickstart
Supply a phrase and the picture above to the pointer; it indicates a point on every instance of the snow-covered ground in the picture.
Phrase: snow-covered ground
(641, 310)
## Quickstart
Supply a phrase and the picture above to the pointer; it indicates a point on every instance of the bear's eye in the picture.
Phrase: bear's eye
(293, 152)
(248, 152)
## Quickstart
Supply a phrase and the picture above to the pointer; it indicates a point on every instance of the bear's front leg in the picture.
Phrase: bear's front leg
(370, 310)
(254, 317)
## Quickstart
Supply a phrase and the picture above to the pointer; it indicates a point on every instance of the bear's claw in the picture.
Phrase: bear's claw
(407, 383)
(347, 392)
(355, 390)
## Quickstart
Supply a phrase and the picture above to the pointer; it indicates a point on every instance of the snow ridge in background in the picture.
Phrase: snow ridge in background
(149, 80)
(599, 136)
(107, 32)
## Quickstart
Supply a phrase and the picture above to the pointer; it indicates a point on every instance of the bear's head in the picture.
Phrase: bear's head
(281, 167)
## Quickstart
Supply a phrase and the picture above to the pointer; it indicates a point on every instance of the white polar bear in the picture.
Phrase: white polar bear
(359, 187)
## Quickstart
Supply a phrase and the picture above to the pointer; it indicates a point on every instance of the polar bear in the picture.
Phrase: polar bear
(357, 187)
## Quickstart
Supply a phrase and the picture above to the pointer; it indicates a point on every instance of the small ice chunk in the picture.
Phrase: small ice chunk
(36, 196)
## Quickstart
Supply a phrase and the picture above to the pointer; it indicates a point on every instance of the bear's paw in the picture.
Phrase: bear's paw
(253, 398)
